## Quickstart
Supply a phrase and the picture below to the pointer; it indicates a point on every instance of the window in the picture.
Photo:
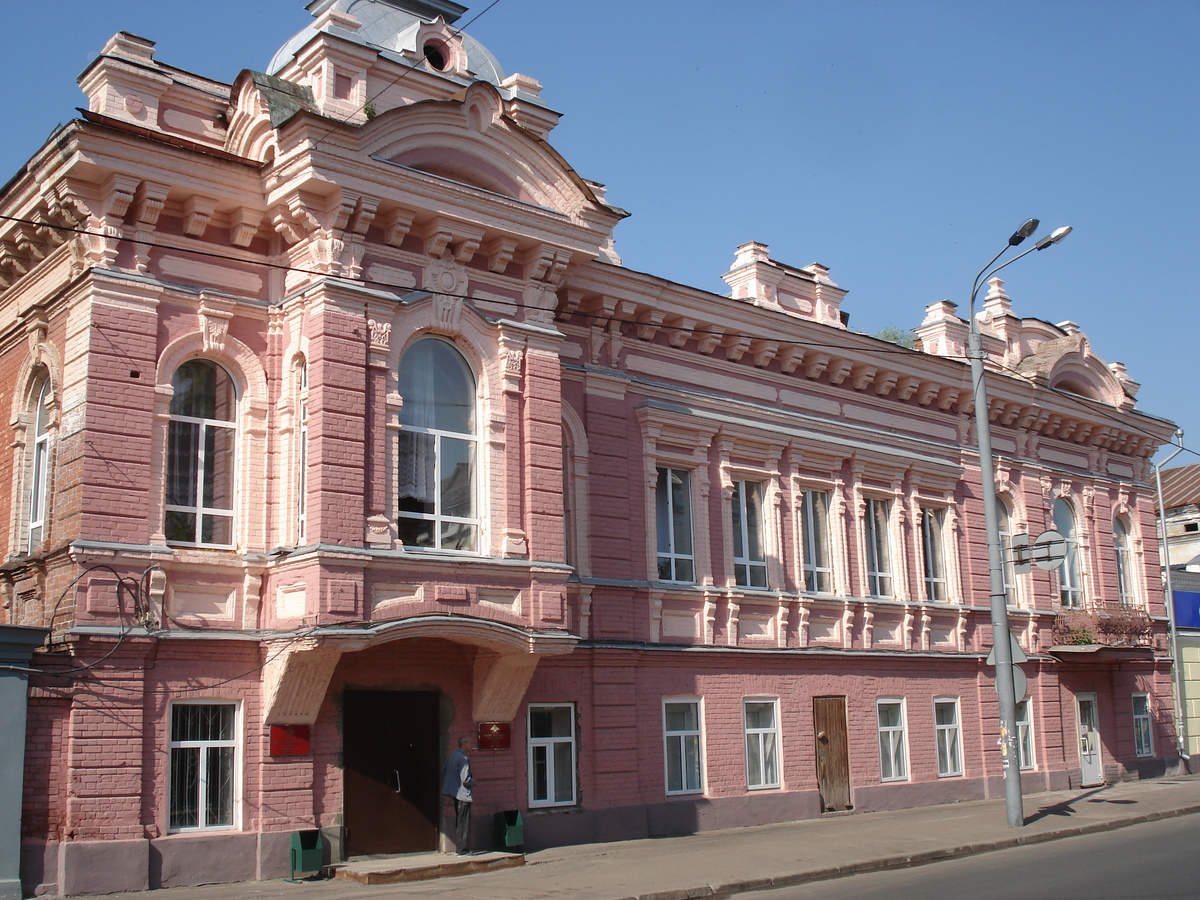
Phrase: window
(552, 755)
(893, 757)
(933, 523)
(437, 450)
(762, 743)
(39, 473)
(302, 455)
(1006, 554)
(749, 556)
(1070, 586)
(879, 553)
(673, 506)
(818, 572)
(1142, 743)
(201, 436)
(681, 746)
(1124, 563)
(949, 737)
(1024, 735)
(202, 776)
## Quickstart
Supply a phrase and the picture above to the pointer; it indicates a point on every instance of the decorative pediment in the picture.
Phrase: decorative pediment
(260, 104)
(470, 140)
(1068, 364)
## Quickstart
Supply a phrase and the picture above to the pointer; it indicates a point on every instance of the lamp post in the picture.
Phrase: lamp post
(1001, 640)
(1181, 735)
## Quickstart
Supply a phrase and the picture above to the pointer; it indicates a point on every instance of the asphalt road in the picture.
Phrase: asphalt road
(1155, 861)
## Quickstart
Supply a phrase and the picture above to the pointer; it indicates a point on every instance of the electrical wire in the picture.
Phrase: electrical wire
(1095, 406)
(1098, 407)
(518, 304)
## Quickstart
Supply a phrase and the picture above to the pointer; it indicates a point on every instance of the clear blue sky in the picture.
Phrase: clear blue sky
(898, 143)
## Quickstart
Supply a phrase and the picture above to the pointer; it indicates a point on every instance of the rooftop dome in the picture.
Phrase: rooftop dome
(391, 26)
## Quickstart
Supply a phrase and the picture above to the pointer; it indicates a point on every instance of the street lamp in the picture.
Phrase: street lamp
(1001, 639)
(1181, 735)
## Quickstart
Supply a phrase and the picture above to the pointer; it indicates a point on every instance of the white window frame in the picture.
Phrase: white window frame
(893, 742)
(933, 547)
(1143, 726)
(302, 454)
(1070, 574)
(439, 518)
(39, 470)
(1025, 734)
(1126, 592)
(948, 738)
(547, 749)
(669, 540)
(739, 515)
(679, 744)
(202, 465)
(814, 512)
(1007, 567)
(762, 746)
(881, 580)
(203, 767)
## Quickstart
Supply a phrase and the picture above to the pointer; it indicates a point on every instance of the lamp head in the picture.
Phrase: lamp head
(1054, 237)
(1023, 232)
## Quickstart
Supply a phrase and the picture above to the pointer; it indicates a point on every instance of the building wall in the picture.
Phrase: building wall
(341, 244)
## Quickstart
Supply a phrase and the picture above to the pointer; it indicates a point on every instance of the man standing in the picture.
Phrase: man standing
(456, 784)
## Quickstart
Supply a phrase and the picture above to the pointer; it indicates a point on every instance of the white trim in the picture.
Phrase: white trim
(897, 739)
(812, 536)
(671, 554)
(682, 735)
(235, 743)
(879, 557)
(752, 564)
(948, 738)
(39, 469)
(764, 750)
(1143, 727)
(933, 554)
(549, 745)
(1026, 734)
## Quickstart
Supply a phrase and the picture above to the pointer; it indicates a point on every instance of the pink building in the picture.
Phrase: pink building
(338, 430)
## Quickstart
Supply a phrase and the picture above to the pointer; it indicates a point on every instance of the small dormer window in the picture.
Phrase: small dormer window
(437, 55)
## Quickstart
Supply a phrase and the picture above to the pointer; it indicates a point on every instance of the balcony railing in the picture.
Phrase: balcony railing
(1105, 623)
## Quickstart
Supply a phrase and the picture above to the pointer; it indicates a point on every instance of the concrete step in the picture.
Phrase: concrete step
(423, 866)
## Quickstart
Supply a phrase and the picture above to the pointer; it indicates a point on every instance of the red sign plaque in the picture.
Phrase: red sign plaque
(290, 740)
(495, 735)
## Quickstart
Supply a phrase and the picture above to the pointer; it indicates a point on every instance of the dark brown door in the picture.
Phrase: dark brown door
(392, 767)
(833, 752)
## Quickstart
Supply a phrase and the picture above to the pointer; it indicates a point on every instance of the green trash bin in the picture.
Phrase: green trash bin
(308, 852)
(510, 830)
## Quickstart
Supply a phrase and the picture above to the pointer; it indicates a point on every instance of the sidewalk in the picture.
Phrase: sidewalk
(719, 863)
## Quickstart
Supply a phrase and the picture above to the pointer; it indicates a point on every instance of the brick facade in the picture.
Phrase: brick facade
(301, 247)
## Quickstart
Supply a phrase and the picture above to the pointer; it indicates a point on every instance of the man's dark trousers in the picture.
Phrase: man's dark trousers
(462, 824)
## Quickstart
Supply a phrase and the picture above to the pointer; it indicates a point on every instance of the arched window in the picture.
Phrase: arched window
(1070, 582)
(301, 453)
(1124, 563)
(201, 437)
(39, 469)
(437, 506)
(1006, 553)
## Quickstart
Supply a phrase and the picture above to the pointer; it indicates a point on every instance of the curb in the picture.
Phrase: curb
(906, 861)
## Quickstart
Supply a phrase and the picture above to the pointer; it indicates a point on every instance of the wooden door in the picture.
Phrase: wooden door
(833, 753)
(392, 771)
